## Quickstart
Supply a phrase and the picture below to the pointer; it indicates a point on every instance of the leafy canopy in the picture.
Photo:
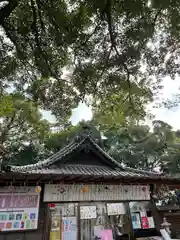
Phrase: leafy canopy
(133, 145)
(21, 127)
(109, 46)
(113, 50)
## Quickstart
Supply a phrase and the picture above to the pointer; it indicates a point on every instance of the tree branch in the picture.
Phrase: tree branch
(6, 11)
(36, 33)
(113, 43)
(155, 19)
(51, 18)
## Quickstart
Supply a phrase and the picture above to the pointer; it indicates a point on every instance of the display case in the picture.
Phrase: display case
(90, 220)
(143, 222)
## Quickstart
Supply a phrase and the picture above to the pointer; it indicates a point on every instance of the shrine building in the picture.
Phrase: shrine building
(79, 193)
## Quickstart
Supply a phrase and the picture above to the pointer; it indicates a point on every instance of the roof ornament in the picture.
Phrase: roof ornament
(92, 132)
(86, 131)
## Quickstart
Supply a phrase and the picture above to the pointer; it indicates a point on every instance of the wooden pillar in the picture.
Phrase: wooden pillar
(78, 222)
(131, 233)
(154, 209)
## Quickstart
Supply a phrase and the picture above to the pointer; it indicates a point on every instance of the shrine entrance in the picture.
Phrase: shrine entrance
(87, 221)
(95, 210)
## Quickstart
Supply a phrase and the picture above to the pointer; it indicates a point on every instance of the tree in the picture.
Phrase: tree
(21, 127)
(113, 109)
(105, 44)
(58, 139)
(133, 145)
(34, 49)
(127, 35)
(136, 146)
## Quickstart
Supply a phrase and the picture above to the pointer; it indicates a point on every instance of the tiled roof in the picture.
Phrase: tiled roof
(89, 170)
(49, 161)
(45, 166)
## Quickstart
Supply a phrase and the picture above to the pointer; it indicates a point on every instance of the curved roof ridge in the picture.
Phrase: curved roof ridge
(119, 164)
(52, 159)
(141, 171)
(106, 154)
(69, 148)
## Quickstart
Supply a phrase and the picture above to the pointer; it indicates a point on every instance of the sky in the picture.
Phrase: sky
(171, 116)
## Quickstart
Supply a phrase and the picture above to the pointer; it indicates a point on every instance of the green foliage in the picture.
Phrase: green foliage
(6, 105)
(137, 147)
(55, 141)
(21, 126)
(112, 49)
(114, 109)
(58, 139)
(104, 44)
(27, 154)
(133, 145)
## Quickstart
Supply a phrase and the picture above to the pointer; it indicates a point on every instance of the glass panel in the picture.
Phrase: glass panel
(64, 221)
(141, 215)
(120, 221)
(100, 217)
(88, 224)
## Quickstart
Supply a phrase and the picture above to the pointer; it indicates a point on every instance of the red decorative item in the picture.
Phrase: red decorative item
(144, 221)
(52, 205)
(143, 189)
